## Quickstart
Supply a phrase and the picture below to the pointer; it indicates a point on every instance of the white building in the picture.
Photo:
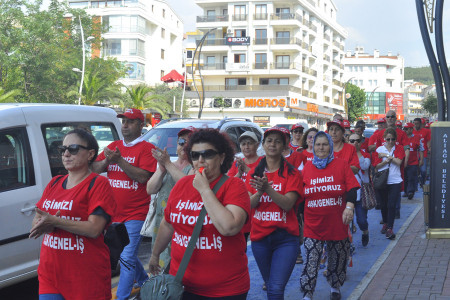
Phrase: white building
(415, 94)
(270, 60)
(146, 35)
(381, 76)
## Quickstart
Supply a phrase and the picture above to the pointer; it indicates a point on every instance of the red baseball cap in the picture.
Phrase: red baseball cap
(346, 123)
(295, 126)
(424, 121)
(408, 125)
(428, 125)
(398, 123)
(381, 120)
(132, 113)
(337, 122)
(277, 129)
(188, 129)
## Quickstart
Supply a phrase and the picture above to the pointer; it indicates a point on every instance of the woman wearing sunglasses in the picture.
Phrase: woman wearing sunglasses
(71, 215)
(297, 134)
(218, 266)
(275, 187)
(330, 193)
(162, 182)
(307, 146)
(390, 156)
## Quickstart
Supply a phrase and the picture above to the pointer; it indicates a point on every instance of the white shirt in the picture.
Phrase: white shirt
(394, 170)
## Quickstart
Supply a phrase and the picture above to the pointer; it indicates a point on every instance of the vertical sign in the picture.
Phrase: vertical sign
(394, 101)
(439, 206)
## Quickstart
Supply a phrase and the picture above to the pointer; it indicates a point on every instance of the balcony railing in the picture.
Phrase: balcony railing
(260, 41)
(241, 17)
(260, 66)
(260, 16)
(215, 88)
(215, 66)
(336, 82)
(336, 44)
(326, 99)
(212, 42)
(327, 37)
(285, 41)
(283, 65)
(286, 16)
(215, 18)
(326, 57)
(117, 52)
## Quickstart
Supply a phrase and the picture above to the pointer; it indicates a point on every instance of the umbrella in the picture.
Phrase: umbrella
(173, 76)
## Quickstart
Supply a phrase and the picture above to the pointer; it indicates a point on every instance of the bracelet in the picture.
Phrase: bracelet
(348, 207)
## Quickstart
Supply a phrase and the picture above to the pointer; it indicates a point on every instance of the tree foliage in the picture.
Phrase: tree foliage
(430, 104)
(420, 74)
(356, 103)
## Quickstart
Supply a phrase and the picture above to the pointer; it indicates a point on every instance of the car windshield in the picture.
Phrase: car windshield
(164, 137)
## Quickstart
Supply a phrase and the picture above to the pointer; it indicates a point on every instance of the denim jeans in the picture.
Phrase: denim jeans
(423, 171)
(411, 178)
(51, 297)
(131, 268)
(361, 216)
(275, 255)
(390, 196)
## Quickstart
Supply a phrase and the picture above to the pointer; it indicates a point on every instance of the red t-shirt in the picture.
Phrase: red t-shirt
(218, 266)
(295, 159)
(324, 192)
(414, 147)
(348, 154)
(365, 146)
(75, 266)
(131, 196)
(268, 216)
(294, 147)
(373, 137)
(425, 135)
(305, 157)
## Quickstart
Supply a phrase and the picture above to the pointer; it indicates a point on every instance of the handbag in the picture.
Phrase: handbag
(380, 178)
(116, 238)
(167, 286)
(150, 220)
(368, 200)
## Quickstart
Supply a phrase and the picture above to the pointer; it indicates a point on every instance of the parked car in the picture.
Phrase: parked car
(368, 132)
(165, 135)
(29, 137)
(290, 122)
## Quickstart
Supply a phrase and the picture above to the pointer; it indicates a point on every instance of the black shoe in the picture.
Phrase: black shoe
(365, 239)
(410, 196)
(397, 214)
(404, 195)
(390, 234)
(335, 296)
(264, 287)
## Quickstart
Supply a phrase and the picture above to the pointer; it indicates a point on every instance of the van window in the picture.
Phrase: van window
(54, 133)
(16, 164)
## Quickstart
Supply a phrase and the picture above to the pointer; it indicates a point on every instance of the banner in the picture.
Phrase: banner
(394, 101)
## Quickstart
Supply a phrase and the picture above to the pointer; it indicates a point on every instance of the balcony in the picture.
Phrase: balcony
(309, 71)
(212, 42)
(117, 52)
(237, 67)
(285, 41)
(326, 99)
(260, 41)
(286, 16)
(336, 82)
(215, 18)
(260, 66)
(309, 94)
(218, 66)
(327, 37)
(215, 88)
(241, 17)
(326, 58)
(283, 65)
(260, 16)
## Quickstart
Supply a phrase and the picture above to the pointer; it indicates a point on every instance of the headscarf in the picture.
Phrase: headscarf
(321, 163)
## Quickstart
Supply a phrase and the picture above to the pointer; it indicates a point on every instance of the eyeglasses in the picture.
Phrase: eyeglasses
(389, 139)
(73, 149)
(181, 142)
(388, 117)
(206, 154)
(310, 137)
(297, 131)
(357, 140)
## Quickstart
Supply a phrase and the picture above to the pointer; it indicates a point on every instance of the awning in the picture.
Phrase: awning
(172, 77)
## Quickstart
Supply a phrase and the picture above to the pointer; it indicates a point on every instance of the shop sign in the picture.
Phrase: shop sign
(238, 41)
(394, 101)
(263, 120)
(312, 107)
(236, 67)
(265, 102)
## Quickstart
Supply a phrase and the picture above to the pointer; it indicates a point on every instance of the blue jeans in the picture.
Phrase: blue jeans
(361, 216)
(275, 255)
(423, 171)
(51, 297)
(131, 268)
(411, 178)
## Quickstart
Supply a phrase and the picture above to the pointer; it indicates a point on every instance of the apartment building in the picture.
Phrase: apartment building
(381, 77)
(415, 94)
(269, 61)
(146, 35)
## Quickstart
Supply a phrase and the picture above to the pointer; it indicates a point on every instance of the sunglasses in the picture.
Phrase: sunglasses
(357, 140)
(206, 154)
(73, 149)
(181, 142)
(347, 135)
(389, 139)
(297, 131)
(388, 117)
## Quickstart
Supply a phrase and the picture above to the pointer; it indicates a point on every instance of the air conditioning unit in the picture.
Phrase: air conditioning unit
(227, 102)
(229, 31)
(238, 103)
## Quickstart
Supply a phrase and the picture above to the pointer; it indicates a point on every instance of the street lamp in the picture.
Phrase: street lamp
(344, 95)
(84, 59)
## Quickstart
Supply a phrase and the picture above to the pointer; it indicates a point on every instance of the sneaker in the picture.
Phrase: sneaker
(390, 234)
(335, 296)
(397, 214)
(384, 229)
(410, 196)
(264, 287)
(365, 239)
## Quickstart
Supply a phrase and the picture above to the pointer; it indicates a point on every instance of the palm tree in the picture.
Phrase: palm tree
(143, 96)
(6, 97)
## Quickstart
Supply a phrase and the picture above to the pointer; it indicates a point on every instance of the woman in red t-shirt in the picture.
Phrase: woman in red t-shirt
(307, 146)
(297, 135)
(72, 215)
(330, 190)
(218, 266)
(275, 188)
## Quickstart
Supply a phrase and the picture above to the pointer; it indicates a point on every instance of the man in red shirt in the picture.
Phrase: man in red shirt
(415, 160)
(359, 129)
(129, 164)
(425, 135)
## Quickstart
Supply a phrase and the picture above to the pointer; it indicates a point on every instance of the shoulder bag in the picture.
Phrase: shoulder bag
(169, 287)
(368, 199)
(380, 178)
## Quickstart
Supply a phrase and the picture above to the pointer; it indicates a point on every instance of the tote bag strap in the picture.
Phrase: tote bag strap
(195, 234)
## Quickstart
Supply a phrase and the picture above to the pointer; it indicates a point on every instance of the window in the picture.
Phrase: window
(163, 33)
(261, 36)
(240, 33)
(53, 134)
(162, 73)
(210, 62)
(162, 53)
(124, 47)
(240, 13)
(361, 83)
(16, 164)
(260, 61)
(360, 68)
(189, 53)
(225, 11)
(260, 12)
(282, 37)
(232, 83)
(239, 58)
(225, 59)
(274, 81)
(164, 13)
(124, 24)
(98, 4)
(282, 62)
(135, 70)
(283, 12)
(83, 4)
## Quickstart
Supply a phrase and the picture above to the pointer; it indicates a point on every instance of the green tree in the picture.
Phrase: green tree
(430, 104)
(7, 97)
(356, 102)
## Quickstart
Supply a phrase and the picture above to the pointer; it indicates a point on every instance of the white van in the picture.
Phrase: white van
(288, 123)
(29, 137)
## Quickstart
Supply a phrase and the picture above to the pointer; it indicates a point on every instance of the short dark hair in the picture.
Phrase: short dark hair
(221, 141)
(360, 122)
(418, 119)
(390, 131)
(88, 138)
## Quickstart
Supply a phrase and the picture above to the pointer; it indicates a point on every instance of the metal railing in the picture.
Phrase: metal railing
(336, 82)
(286, 16)
(214, 88)
(117, 52)
(285, 41)
(283, 65)
(259, 66)
(212, 42)
(215, 66)
(326, 99)
(260, 16)
(241, 17)
(215, 18)
(260, 41)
